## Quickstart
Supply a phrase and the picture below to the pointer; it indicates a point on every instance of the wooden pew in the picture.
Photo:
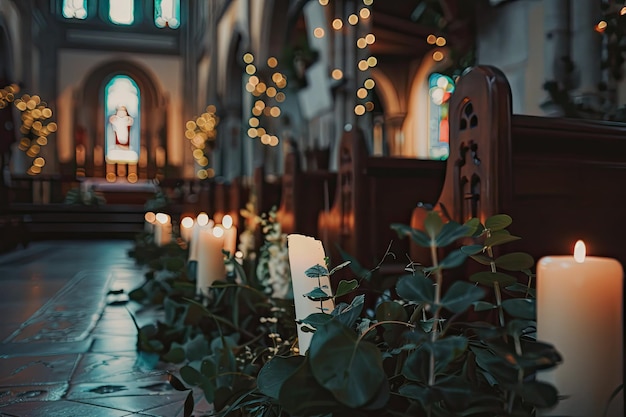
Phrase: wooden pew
(304, 195)
(559, 179)
(371, 194)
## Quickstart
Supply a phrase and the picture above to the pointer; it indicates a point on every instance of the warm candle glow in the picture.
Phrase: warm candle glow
(203, 219)
(227, 221)
(218, 231)
(579, 252)
(162, 218)
(150, 217)
(187, 222)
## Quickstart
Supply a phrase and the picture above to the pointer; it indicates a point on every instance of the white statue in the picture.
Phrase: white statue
(121, 123)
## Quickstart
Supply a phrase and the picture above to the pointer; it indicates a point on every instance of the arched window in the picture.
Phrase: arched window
(167, 13)
(122, 12)
(75, 9)
(440, 88)
(122, 120)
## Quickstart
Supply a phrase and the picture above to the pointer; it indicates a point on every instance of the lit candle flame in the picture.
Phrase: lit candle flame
(150, 217)
(187, 222)
(579, 252)
(203, 219)
(218, 231)
(162, 218)
(227, 221)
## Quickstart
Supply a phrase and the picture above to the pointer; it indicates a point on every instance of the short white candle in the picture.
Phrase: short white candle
(230, 234)
(304, 253)
(149, 219)
(210, 258)
(163, 231)
(579, 311)
(186, 228)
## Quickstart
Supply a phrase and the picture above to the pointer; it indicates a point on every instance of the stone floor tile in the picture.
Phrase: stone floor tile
(117, 327)
(139, 403)
(34, 370)
(114, 344)
(115, 368)
(8, 350)
(61, 408)
(39, 392)
(88, 391)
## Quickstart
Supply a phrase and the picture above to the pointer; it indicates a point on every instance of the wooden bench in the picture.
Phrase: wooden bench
(371, 194)
(64, 221)
(304, 195)
(559, 179)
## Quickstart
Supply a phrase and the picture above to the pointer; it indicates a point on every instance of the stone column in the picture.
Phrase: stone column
(557, 48)
(586, 51)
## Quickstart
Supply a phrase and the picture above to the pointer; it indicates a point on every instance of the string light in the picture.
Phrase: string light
(35, 113)
(202, 133)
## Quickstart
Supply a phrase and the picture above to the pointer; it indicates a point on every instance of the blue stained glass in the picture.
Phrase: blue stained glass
(122, 120)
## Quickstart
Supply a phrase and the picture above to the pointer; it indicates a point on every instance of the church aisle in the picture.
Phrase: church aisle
(68, 341)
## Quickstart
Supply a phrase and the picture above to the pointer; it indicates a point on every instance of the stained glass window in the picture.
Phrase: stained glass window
(122, 12)
(75, 9)
(440, 88)
(122, 120)
(167, 13)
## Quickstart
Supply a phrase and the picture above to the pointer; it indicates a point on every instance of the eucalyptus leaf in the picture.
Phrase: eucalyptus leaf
(460, 296)
(539, 394)
(421, 393)
(346, 287)
(499, 238)
(472, 249)
(453, 259)
(391, 311)
(197, 348)
(433, 224)
(348, 314)
(317, 319)
(475, 228)
(524, 308)
(498, 222)
(451, 232)
(445, 350)
(275, 372)
(316, 271)
(340, 363)
(314, 400)
(176, 354)
(340, 266)
(483, 306)
(515, 261)
(481, 259)
(488, 278)
(419, 237)
(190, 375)
(416, 288)
(317, 295)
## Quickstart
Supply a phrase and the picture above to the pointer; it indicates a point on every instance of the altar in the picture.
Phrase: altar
(122, 191)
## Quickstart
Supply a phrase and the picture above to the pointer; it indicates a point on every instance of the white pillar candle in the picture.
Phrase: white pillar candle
(201, 221)
(186, 228)
(210, 258)
(230, 234)
(579, 311)
(163, 231)
(304, 253)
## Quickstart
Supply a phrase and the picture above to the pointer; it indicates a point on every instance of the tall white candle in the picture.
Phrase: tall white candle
(201, 221)
(579, 311)
(230, 234)
(210, 258)
(186, 228)
(305, 252)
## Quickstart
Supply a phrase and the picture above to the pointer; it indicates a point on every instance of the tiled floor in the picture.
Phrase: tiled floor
(67, 344)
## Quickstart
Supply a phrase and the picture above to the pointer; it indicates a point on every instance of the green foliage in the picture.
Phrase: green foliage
(87, 197)
(434, 346)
